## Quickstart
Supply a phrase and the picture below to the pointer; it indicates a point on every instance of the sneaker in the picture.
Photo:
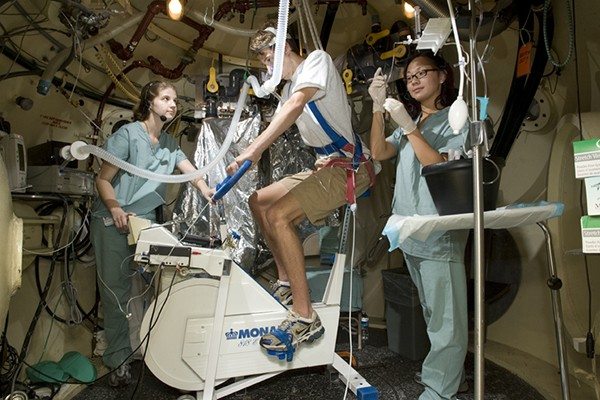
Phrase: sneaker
(462, 388)
(291, 332)
(120, 376)
(282, 292)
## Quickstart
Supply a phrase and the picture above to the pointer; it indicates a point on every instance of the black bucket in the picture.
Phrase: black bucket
(451, 184)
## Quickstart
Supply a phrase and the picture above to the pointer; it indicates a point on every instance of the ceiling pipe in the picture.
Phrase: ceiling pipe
(220, 26)
(204, 31)
(158, 6)
(433, 8)
(506, 10)
(125, 53)
(33, 69)
(153, 63)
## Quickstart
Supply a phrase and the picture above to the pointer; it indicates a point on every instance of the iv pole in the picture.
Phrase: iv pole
(476, 137)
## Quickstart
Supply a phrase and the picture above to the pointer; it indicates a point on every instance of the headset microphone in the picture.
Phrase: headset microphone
(162, 117)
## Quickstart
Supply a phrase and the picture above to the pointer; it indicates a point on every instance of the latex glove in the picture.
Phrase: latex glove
(377, 90)
(400, 115)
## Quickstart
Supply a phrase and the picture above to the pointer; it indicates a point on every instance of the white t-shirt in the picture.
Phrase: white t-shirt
(318, 71)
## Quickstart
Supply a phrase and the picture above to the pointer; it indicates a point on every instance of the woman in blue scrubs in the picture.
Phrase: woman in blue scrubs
(144, 144)
(436, 265)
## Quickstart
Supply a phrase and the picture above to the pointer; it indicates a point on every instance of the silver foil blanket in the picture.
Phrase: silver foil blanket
(286, 156)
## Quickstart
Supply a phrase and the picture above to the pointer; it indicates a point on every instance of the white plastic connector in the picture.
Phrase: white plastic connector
(77, 151)
(65, 153)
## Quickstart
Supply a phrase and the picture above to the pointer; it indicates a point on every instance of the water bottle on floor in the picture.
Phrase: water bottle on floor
(364, 327)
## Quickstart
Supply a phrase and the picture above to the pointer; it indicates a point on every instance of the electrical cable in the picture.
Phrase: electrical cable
(85, 242)
(14, 60)
(70, 291)
(34, 23)
(571, 26)
(144, 339)
(46, 209)
(45, 346)
(141, 294)
(74, 50)
(9, 356)
(153, 322)
(38, 311)
(77, 46)
(82, 244)
(86, 314)
(124, 361)
(8, 6)
(107, 287)
(150, 327)
(118, 301)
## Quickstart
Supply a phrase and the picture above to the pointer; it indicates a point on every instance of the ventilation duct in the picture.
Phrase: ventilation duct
(495, 20)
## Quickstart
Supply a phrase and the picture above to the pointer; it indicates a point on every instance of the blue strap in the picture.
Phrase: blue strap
(332, 147)
(285, 338)
(338, 142)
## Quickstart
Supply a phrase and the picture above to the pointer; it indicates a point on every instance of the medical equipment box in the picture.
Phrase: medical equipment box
(48, 153)
(590, 234)
(54, 179)
(12, 150)
(592, 194)
(587, 158)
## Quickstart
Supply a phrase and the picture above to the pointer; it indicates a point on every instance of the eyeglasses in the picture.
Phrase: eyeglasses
(419, 75)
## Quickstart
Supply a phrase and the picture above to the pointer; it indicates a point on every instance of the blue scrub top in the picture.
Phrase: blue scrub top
(138, 195)
(411, 194)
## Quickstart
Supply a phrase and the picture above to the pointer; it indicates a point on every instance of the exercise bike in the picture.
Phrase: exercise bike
(205, 325)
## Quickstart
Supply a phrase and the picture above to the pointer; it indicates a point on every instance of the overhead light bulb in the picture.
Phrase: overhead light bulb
(175, 9)
(409, 11)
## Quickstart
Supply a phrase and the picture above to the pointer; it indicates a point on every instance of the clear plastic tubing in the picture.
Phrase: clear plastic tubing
(83, 151)
(461, 59)
(269, 86)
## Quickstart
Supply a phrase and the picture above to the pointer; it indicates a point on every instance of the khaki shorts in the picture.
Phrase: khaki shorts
(324, 190)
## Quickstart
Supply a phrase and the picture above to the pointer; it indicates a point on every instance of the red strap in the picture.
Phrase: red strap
(350, 174)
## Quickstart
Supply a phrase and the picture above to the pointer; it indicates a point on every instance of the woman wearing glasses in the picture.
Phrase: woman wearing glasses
(436, 265)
